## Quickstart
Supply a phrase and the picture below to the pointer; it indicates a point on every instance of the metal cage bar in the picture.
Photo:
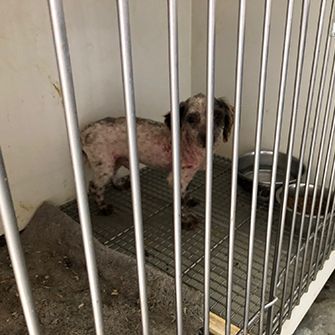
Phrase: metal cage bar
(261, 100)
(209, 155)
(303, 146)
(331, 188)
(296, 95)
(333, 223)
(328, 248)
(129, 97)
(258, 141)
(175, 126)
(236, 140)
(331, 92)
(326, 165)
(281, 102)
(66, 80)
(330, 225)
(311, 154)
(9, 222)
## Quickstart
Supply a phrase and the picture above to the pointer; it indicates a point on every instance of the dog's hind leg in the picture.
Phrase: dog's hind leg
(121, 183)
(103, 174)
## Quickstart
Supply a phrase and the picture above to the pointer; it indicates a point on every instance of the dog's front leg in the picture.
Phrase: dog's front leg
(189, 201)
(189, 219)
(186, 177)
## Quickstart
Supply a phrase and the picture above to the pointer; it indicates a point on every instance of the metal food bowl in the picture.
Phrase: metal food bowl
(290, 206)
(246, 171)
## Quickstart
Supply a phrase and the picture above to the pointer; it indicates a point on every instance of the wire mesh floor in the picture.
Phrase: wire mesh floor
(117, 232)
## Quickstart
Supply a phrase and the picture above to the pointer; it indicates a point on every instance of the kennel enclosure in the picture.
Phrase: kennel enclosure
(259, 269)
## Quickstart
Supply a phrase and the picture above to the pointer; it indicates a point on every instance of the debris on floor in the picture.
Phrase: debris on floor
(54, 254)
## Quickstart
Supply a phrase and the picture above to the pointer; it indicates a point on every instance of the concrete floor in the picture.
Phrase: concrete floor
(320, 319)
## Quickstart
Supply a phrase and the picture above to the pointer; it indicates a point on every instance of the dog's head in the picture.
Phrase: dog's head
(193, 116)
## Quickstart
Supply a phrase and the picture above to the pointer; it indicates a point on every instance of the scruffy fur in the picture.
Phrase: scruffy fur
(105, 144)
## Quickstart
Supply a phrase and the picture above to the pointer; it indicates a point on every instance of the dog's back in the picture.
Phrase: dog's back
(106, 139)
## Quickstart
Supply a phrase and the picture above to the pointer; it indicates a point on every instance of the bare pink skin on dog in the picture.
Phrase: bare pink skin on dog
(105, 143)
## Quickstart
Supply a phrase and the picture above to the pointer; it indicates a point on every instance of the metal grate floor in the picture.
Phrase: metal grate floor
(117, 232)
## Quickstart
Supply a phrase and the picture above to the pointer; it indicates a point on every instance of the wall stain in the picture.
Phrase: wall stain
(26, 207)
(58, 89)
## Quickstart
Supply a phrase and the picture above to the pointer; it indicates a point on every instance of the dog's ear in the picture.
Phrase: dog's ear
(224, 117)
(182, 111)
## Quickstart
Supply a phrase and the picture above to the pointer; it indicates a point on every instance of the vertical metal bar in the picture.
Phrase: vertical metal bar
(310, 160)
(296, 95)
(16, 254)
(331, 190)
(332, 228)
(129, 97)
(329, 198)
(236, 140)
(261, 99)
(304, 142)
(281, 101)
(209, 154)
(331, 222)
(258, 140)
(325, 168)
(66, 80)
(174, 101)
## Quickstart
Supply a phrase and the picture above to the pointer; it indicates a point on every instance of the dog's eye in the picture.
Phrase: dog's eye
(193, 118)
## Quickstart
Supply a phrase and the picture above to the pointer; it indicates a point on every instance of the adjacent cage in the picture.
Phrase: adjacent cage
(265, 244)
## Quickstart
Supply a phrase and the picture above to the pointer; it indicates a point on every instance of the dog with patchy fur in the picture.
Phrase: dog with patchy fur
(105, 145)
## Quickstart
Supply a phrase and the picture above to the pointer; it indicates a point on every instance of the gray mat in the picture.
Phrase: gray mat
(54, 254)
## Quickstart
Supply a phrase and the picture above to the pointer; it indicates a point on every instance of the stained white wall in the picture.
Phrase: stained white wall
(32, 129)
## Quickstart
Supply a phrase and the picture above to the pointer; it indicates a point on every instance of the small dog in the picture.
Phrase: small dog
(105, 145)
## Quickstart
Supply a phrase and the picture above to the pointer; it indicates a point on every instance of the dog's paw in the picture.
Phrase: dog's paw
(192, 202)
(122, 183)
(189, 221)
(106, 210)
